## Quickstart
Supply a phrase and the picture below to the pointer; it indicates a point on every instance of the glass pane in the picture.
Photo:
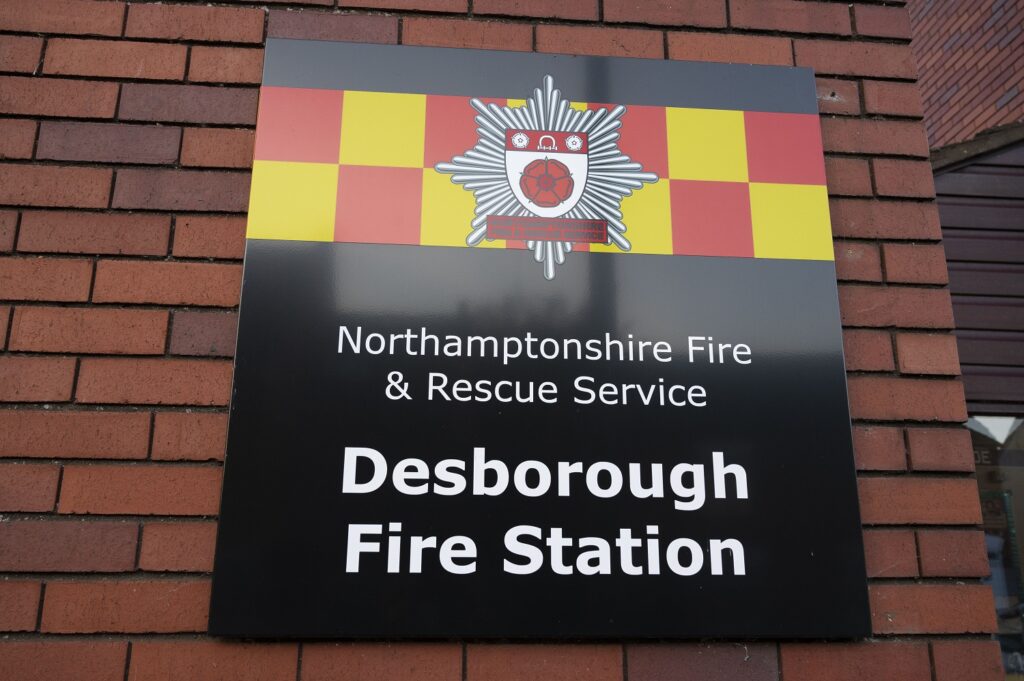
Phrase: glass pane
(999, 456)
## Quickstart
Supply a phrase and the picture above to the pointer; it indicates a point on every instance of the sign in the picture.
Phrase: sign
(537, 346)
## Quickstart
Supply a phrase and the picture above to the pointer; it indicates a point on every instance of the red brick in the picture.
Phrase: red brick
(20, 54)
(36, 379)
(115, 59)
(178, 546)
(19, 606)
(225, 65)
(415, 5)
(363, 661)
(140, 489)
(167, 283)
(914, 501)
(212, 661)
(967, 661)
(843, 58)
(541, 9)
(182, 189)
(209, 334)
(8, 222)
(154, 381)
(109, 142)
(890, 553)
(199, 236)
(946, 449)
(217, 148)
(89, 330)
(857, 261)
(953, 553)
(926, 353)
(50, 660)
(702, 662)
(890, 399)
(882, 22)
(80, 17)
(915, 263)
(64, 279)
(848, 176)
(863, 136)
(896, 99)
(103, 233)
(57, 97)
(667, 12)
(931, 609)
(487, 35)
(879, 448)
(5, 317)
(190, 22)
(74, 434)
(600, 40)
(526, 662)
(322, 26)
(837, 96)
(903, 178)
(126, 606)
(865, 219)
(17, 137)
(68, 546)
(198, 436)
(747, 49)
(790, 16)
(878, 661)
(187, 103)
(867, 350)
(30, 185)
(28, 487)
(888, 306)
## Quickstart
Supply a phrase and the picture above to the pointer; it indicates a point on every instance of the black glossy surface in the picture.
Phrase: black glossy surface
(280, 566)
(492, 73)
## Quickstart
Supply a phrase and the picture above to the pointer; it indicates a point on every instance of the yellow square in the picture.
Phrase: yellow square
(446, 213)
(706, 144)
(292, 201)
(382, 129)
(647, 214)
(791, 221)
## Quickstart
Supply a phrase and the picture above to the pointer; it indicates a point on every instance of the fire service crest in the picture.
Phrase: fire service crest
(547, 174)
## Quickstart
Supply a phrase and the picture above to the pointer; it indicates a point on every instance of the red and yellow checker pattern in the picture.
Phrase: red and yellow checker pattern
(351, 166)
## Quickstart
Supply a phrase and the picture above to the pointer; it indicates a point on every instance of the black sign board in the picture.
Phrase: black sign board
(537, 346)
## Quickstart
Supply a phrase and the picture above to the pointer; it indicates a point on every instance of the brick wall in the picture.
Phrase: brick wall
(126, 135)
(971, 61)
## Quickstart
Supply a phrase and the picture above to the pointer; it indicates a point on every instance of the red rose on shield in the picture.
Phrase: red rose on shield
(546, 182)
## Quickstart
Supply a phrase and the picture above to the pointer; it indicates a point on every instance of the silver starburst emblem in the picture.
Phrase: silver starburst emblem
(547, 174)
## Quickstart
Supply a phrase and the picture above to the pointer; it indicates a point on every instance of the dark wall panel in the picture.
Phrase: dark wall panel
(981, 204)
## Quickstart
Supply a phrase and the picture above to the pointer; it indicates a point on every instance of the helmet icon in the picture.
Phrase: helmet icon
(550, 145)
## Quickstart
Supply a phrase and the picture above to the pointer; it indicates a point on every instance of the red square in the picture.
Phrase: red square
(450, 128)
(784, 148)
(711, 218)
(378, 205)
(298, 124)
(644, 138)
